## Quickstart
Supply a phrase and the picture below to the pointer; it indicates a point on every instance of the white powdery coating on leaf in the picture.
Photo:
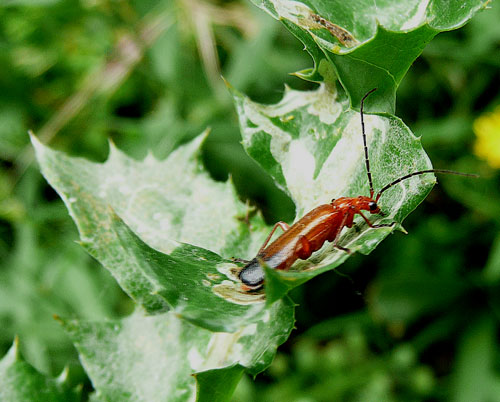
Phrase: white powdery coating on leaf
(209, 223)
(196, 360)
(250, 329)
(266, 316)
(167, 200)
(399, 204)
(292, 10)
(401, 165)
(418, 18)
(217, 352)
(298, 166)
(297, 162)
(293, 100)
(399, 16)
(346, 158)
(140, 356)
(325, 105)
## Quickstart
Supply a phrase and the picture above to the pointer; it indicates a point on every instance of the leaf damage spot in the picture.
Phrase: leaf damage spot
(417, 18)
(303, 16)
(342, 35)
(286, 119)
(228, 269)
(213, 277)
(325, 104)
(233, 292)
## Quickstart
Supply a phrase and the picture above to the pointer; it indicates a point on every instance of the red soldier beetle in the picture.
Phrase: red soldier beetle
(323, 223)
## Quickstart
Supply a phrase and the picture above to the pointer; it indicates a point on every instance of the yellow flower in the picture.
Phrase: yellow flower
(487, 130)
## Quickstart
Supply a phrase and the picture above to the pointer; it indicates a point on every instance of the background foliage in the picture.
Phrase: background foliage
(78, 73)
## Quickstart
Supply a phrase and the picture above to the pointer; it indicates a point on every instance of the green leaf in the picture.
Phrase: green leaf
(162, 357)
(163, 202)
(371, 44)
(311, 144)
(209, 384)
(19, 382)
(166, 204)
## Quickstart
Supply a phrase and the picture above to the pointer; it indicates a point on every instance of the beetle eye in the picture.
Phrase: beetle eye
(373, 206)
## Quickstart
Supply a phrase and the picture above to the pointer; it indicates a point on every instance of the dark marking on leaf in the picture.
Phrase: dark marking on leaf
(341, 34)
(234, 293)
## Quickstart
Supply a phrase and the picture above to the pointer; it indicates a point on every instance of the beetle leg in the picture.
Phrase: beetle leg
(337, 236)
(382, 225)
(303, 248)
(347, 250)
(240, 260)
(282, 225)
(356, 228)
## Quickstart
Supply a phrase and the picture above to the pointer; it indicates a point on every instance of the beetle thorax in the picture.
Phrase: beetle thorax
(355, 204)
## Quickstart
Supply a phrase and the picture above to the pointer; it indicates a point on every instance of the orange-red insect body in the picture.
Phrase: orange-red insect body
(323, 223)
(307, 235)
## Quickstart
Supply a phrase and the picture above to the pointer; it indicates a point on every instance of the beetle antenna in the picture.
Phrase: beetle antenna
(367, 160)
(386, 187)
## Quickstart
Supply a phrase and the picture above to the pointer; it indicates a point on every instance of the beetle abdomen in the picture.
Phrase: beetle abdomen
(252, 274)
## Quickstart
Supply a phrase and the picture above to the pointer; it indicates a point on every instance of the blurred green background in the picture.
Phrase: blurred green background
(418, 320)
